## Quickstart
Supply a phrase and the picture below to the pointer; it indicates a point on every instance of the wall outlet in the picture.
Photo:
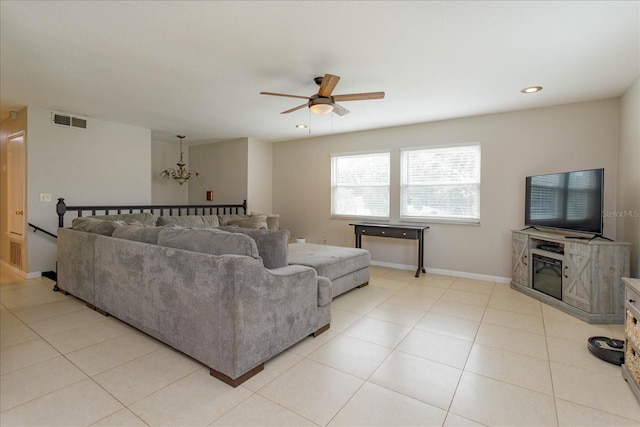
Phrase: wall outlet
(324, 240)
(45, 198)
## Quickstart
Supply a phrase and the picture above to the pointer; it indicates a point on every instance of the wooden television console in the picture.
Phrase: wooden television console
(590, 272)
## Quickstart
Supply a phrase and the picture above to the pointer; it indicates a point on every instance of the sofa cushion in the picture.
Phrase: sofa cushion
(144, 218)
(189, 220)
(251, 222)
(94, 225)
(273, 220)
(138, 233)
(208, 240)
(273, 245)
(331, 262)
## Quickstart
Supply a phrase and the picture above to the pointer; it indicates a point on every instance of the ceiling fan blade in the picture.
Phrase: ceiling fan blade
(329, 82)
(359, 96)
(284, 94)
(294, 109)
(340, 110)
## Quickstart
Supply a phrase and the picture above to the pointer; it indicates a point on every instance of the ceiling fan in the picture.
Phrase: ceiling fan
(323, 102)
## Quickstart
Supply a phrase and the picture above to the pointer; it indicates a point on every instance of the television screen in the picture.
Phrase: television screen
(568, 201)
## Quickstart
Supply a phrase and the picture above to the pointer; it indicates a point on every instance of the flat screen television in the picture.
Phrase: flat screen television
(570, 201)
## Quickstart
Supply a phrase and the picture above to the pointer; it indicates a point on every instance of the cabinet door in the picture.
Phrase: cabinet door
(520, 259)
(576, 280)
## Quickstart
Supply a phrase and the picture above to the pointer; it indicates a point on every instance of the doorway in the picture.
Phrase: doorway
(16, 183)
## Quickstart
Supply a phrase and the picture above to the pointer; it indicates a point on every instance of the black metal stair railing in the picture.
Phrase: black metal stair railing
(48, 274)
(36, 228)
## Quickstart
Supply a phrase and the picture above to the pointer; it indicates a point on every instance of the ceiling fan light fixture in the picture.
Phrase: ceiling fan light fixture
(321, 108)
(324, 102)
(321, 105)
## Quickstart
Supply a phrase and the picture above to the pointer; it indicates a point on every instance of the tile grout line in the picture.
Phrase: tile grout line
(464, 368)
(553, 386)
(88, 376)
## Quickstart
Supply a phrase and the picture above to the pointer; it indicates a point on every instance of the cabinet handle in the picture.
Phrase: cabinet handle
(383, 232)
(565, 271)
(524, 260)
(632, 301)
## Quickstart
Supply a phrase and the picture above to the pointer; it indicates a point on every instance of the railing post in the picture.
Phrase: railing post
(61, 209)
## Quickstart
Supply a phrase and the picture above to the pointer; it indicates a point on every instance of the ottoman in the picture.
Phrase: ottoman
(347, 268)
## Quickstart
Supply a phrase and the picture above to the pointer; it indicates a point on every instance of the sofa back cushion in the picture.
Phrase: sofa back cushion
(143, 218)
(273, 245)
(208, 240)
(138, 233)
(189, 220)
(97, 226)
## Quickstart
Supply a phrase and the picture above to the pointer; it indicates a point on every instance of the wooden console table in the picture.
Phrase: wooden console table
(413, 232)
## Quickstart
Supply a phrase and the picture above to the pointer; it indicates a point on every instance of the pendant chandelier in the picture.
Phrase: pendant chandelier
(181, 174)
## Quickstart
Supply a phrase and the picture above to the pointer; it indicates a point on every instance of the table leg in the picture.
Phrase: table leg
(420, 255)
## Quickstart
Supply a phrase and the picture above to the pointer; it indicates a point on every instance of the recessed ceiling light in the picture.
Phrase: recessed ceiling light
(301, 126)
(531, 89)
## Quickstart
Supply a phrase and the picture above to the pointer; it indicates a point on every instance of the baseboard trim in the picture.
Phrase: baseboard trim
(15, 270)
(393, 265)
(442, 272)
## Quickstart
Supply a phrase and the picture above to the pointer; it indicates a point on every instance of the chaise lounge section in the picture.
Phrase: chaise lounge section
(347, 268)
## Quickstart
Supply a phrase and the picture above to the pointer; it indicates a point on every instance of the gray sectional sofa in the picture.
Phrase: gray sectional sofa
(227, 296)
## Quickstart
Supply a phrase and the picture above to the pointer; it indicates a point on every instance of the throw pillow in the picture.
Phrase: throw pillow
(225, 218)
(273, 220)
(189, 220)
(259, 221)
(130, 218)
(208, 240)
(96, 226)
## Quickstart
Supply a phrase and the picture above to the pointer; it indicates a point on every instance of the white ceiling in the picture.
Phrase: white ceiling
(197, 67)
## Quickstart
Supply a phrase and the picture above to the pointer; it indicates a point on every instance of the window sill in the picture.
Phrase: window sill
(441, 221)
(360, 218)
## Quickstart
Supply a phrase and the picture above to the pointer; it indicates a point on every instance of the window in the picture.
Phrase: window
(360, 185)
(441, 183)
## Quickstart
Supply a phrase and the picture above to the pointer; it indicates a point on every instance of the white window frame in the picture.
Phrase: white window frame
(335, 186)
(439, 218)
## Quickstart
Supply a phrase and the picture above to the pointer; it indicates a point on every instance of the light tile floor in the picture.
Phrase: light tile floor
(433, 350)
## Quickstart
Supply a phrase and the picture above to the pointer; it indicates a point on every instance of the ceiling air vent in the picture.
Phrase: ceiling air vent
(66, 120)
(77, 122)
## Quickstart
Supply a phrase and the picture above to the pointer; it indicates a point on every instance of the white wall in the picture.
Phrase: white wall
(108, 163)
(164, 191)
(259, 179)
(514, 145)
(628, 206)
(223, 166)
